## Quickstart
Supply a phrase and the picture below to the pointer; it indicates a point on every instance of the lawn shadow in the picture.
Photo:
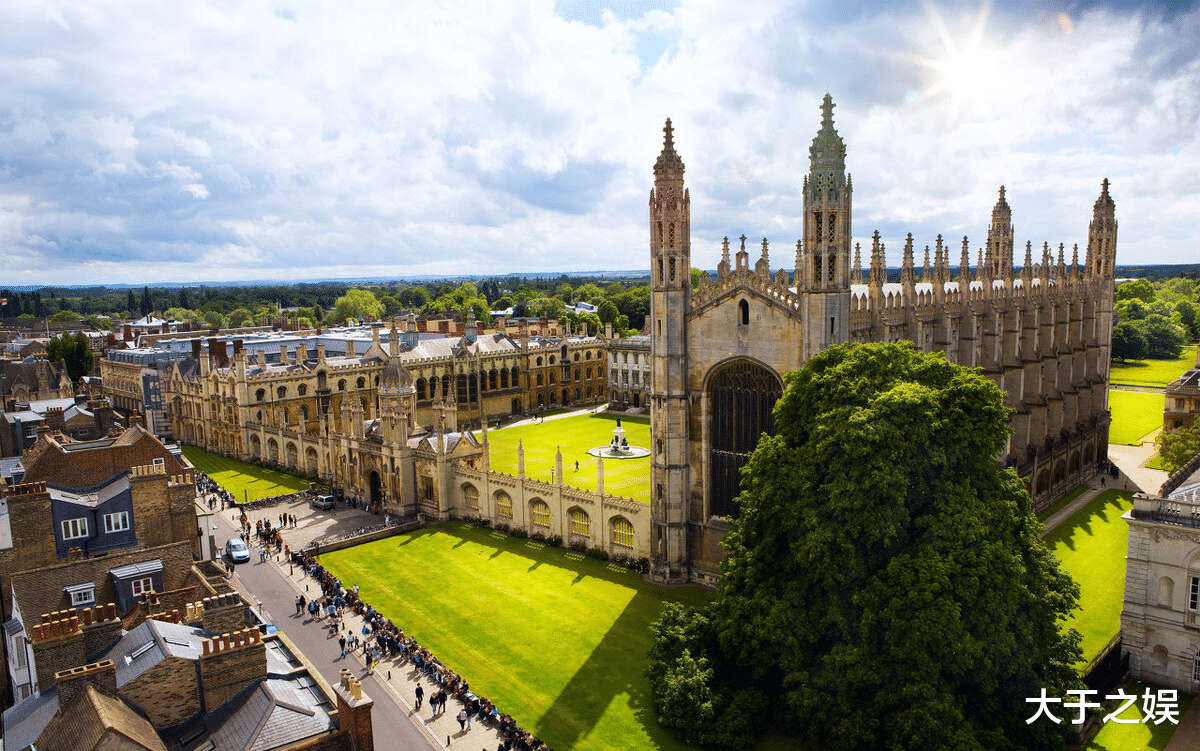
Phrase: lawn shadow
(1102, 510)
(603, 678)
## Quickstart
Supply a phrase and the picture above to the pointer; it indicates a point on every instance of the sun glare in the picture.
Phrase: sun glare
(966, 71)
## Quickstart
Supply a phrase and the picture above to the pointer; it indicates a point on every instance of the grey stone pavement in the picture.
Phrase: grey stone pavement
(274, 586)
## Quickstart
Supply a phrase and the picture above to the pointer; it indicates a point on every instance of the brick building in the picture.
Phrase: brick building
(194, 678)
(78, 417)
(24, 382)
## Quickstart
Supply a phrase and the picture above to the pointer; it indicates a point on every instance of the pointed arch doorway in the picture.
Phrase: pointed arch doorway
(376, 488)
(741, 396)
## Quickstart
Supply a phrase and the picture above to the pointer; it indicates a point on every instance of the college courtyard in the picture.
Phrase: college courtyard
(559, 640)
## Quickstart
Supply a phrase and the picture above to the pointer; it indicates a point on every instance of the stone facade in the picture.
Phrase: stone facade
(1041, 332)
(629, 373)
(1183, 400)
(1159, 627)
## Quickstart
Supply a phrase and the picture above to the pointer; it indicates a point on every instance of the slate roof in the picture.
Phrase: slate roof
(151, 643)
(26, 721)
(272, 713)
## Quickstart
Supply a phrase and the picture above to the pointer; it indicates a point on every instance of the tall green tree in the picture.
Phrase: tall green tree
(1128, 342)
(130, 301)
(356, 303)
(147, 303)
(73, 352)
(885, 582)
(1178, 448)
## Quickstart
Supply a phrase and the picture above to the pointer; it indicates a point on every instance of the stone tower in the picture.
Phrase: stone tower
(1101, 267)
(999, 257)
(670, 269)
(825, 262)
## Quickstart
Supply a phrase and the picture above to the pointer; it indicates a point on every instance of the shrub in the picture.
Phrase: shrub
(599, 554)
(502, 527)
(519, 533)
(578, 547)
(537, 537)
(554, 541)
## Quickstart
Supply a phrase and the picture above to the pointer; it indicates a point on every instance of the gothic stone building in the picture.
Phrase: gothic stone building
(1041, 331)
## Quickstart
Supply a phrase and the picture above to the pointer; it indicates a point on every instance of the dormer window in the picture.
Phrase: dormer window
(81, 594)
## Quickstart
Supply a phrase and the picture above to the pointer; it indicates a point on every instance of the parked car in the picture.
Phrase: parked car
(322, 503)
(237, 550)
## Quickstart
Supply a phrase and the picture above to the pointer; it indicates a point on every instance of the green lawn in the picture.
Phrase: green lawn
(1091, 547)
(555, 639)
(1115, 736)
(575, 435)
(1153, 372)
(1157, 463)
(245, 481)
(1134, 414)
(1061, 503)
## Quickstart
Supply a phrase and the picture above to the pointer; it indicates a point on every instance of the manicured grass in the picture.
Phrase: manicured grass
(1157, 463)
(557, 640)
(1134, 414)
(575, 435)
(1115, 736)
(245, 481)
(1153, 372)
(1061, 503)
(1091, 547)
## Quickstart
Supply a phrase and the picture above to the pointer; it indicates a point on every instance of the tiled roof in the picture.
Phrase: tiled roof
(93, 716)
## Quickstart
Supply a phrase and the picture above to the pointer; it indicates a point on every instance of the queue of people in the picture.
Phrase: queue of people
(381, 639)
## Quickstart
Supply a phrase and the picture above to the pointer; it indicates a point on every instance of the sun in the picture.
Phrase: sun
(967, 71)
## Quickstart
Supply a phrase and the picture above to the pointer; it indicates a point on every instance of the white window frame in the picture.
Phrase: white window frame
(117, 521)
(1194, 593)
(78, 525)
(160, 462)
(20, 654)
(83, 597)
(142, 586)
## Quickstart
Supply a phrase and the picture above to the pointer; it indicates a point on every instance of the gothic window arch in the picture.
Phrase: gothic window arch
(260, 395)
(581, 523)
(302, 390)
(742, 395)
(622, 531)
(281, 392)
(420, 389)
(342, 384)
(744, 313)
(672, 266)
(321, 379)
(539, 513)
(361, 382)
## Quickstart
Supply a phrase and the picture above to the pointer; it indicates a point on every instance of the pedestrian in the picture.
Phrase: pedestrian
(420, 694)
(462, 719)
(370, 665)
(577, 465)
(442, 701)
(299, 604)
(342, 644)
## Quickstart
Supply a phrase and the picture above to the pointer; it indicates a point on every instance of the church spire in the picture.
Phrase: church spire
(964, 267)
(669, 166)
(856, 276)
(828, 152)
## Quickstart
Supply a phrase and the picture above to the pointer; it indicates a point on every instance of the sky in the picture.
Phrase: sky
(145, 142)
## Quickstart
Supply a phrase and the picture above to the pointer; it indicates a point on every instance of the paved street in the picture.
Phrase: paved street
(269, 584)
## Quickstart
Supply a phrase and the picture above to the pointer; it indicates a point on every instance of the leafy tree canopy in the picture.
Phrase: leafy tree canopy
(356, 303)
(1142, 289)
(885, 581)
(1128, 342)
(65, 315)
(413, 296)
(1178, 448)
(73, 351)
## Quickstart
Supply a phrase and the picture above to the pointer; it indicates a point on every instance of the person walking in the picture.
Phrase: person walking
(462, 719)
(420, 694)
(342, 644)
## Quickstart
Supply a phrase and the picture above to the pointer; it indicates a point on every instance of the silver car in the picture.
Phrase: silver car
(237, 550)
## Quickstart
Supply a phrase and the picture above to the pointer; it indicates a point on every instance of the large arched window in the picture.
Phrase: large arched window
(539, 513)
(302, 390)
(503, 504)
(622, 531)
(470, 496)
(581, 523)
(741, 397)
(744, 313)
(281, 392)
(361, 382)
(420, 388)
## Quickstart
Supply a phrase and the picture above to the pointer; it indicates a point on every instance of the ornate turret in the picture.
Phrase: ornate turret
(856, 275)
(1000, 240)
(723, 266)
(827, 231)
(964, 267)
(907, 270)
(1102, 236)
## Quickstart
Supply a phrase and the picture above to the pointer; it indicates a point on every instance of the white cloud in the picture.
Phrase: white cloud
(208, 141)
